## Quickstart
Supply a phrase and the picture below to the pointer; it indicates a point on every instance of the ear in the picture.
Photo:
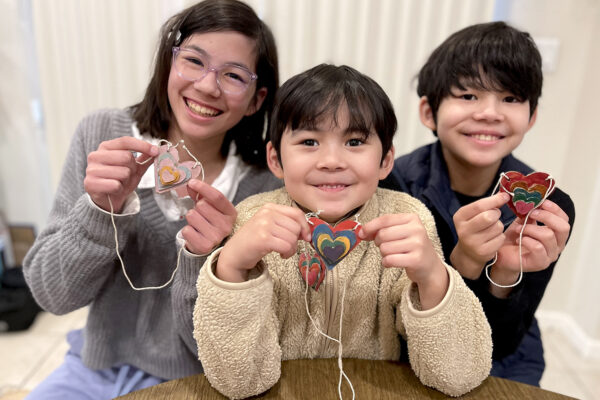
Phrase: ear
(387, 164)
(257, 101)
(426, 114)
(532, 119)
(273, 161)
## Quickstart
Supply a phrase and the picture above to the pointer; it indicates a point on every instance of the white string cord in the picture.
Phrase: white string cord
(339, 342)
(489, 265)
(112, 218)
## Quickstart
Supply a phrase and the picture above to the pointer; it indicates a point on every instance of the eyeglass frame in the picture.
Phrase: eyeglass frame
(176, 51)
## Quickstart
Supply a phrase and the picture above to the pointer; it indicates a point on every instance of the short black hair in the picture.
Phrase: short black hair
(305, 99)
(491, 56)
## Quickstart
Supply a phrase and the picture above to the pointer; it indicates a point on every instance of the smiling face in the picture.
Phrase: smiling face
(330, 169)
(202, 111)
(478, 127)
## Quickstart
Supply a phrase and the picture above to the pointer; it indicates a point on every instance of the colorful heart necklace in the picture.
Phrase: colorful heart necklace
(331, 244)
(527, 193)
(170, 173)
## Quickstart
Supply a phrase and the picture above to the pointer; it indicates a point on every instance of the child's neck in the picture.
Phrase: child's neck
(331, 221)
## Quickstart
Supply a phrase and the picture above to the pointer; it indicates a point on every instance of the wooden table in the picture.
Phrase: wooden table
(318, 379)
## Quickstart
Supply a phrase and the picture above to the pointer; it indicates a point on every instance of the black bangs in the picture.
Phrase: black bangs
(492, 56)
(310, 114)
(314, 97)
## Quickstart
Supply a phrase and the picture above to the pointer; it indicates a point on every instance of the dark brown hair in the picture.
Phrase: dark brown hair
(305, 99)
(153, 114)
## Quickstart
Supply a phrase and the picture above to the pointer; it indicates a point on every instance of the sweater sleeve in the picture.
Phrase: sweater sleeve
(236, 330)
(184, 293)
(70, 259)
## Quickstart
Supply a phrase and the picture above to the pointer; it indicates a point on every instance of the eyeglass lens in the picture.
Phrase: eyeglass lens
(193, 66)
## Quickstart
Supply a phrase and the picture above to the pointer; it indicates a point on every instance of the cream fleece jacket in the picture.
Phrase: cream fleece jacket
(244, 330)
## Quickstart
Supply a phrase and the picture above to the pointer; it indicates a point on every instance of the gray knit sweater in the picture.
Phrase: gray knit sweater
(73, 264)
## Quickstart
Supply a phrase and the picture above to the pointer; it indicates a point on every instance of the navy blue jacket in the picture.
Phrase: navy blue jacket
(424, 174)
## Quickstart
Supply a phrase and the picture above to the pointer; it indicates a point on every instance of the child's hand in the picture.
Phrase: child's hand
(403, 242)
(211, 219)
(541, 245)
(273, 228)
(480, 234)
(113, 170)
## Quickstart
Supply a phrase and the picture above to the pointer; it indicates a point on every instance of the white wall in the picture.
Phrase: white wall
(565, 142)
(25, 189)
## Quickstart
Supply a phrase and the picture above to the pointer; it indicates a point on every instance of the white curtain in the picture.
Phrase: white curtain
(94, 54)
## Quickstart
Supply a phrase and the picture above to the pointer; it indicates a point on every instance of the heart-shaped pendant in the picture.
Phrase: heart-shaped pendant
(169, 173)
(311, 270)
(528, 191)
(333, 244)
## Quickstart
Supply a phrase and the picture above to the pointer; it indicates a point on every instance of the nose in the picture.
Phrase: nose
(331, 158)
(208, 84)
(489, 109)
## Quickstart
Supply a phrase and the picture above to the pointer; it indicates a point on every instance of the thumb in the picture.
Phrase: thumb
(367, 232)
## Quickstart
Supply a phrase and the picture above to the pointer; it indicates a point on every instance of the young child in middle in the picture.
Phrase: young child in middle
(331, 143)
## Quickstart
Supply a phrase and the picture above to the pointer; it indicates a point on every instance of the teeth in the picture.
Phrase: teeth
(333, 186)
(486, 138)
(198, 109)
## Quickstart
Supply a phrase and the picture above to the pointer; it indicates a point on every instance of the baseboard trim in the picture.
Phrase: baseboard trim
(587, 346)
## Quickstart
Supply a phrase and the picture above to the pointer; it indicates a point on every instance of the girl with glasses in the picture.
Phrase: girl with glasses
(211, 91)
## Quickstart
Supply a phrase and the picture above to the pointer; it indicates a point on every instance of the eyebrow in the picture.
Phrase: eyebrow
(203, 52)
(347, 131)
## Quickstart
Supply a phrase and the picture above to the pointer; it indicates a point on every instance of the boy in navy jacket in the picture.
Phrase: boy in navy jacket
(478, 94)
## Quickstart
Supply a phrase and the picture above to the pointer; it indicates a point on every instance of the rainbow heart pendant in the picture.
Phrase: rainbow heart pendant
(333, 244)
(311, 270)
(170, 174)
(528, 191)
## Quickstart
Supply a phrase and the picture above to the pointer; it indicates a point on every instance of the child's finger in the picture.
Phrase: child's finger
(552, 207)
(132, 144)
(542, 240)
(477, 207)
(369, 230)
(297, 215)
(536, 256)
(558, 223)
(202, 190)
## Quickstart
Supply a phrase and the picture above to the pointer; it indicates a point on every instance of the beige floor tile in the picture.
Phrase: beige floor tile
(21, 354)
(15, 394)
(50, 323)
(46, 366)
(27, 355)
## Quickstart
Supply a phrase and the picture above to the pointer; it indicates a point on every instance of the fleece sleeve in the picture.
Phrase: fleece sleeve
(449, 346)
(235, 328)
